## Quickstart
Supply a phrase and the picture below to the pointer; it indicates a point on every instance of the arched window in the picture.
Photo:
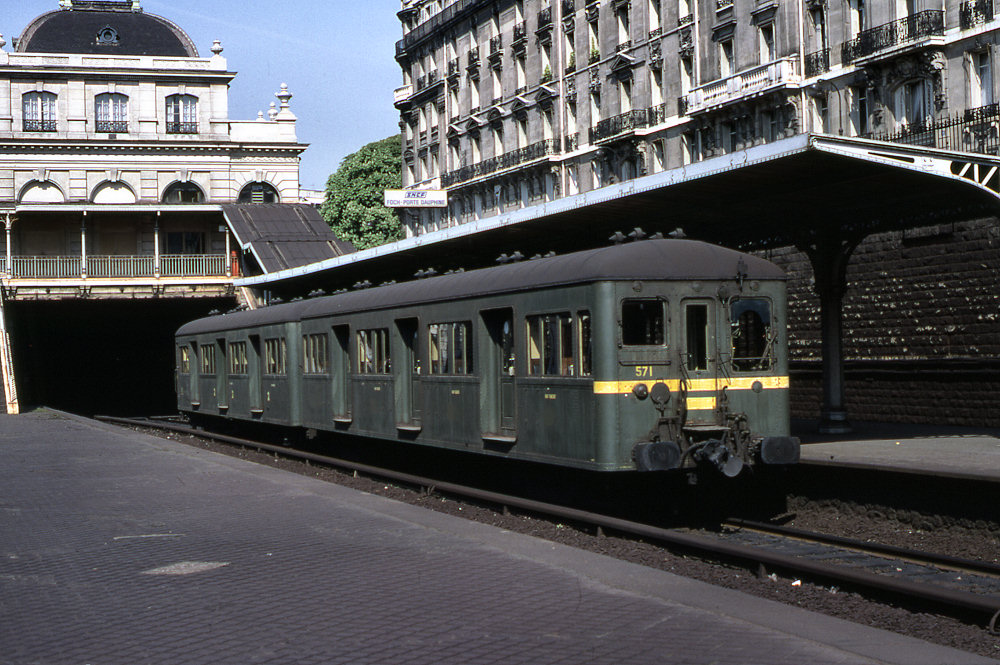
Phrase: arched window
(39, 111)
(183, 192)
(112, 113)
(182, 114)
(258, 192)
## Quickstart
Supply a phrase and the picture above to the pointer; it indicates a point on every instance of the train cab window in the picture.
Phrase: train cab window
(274, 356)
(237, 357)
(550, 345)
(184, 362)
(750, 321)
(314, 354)
(373, 351)
(450, 347)
(644, 322)
(586, 344)
(207, 359)
(696, 317)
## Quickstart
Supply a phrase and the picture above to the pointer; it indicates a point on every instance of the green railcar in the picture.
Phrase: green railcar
(652, 355)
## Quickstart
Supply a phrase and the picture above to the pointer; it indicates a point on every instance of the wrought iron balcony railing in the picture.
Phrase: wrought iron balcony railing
(182, 128)
(453, 67)
(777, 74)
(571, 142)
(39, 125)
(113, 126)
(973, 130)
(619, 124)
(975, 12)
(817, 62)
(545, 18)
(496, 45)
(624, 46)
(505, 161)
(927, 23)
(520, 32)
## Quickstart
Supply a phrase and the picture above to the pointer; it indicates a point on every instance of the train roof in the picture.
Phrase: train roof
(662, 260)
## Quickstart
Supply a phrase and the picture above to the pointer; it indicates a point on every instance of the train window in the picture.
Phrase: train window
(644, 322)
(507, 344)
(373, 351)
(185, 360)
(274, 356)
(750, 321)
(450, 347)
(207, 359)
(237, 357)
(550, 345)
(586, 345)
(697, 336)
(314, 354)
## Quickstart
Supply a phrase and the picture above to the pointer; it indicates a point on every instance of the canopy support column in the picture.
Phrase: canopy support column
(829, 254)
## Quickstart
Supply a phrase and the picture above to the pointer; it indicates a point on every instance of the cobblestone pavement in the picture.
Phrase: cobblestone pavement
(119, 548)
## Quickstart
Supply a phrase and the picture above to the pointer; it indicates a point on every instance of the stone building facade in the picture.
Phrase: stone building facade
(512, 103)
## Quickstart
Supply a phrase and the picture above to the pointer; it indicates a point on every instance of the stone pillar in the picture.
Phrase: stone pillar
(829, 253)
(156, 246)
(9, 224)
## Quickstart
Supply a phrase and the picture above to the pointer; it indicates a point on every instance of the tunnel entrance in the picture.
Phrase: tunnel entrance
(111, 357)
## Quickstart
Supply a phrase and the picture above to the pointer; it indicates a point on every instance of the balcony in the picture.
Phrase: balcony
(112, 126)
(751, 82)
(505, 161)
(817, 62)
(182, 127)
(624, 46)
(496, 48)
(973, 130)
(402, 93)
(117, 267)
(620, 124)
(927, 23)
(453, 68)
(545, 18)
(39, 125)
(975, 12)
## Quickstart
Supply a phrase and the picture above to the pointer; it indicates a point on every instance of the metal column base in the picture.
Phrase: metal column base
(834, 422)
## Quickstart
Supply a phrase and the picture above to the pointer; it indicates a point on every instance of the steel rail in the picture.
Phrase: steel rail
(942, 560)
(941, 598)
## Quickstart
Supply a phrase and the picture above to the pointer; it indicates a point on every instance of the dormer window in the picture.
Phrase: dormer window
(107, 36)
(112, 113)
(39, 111)
(182, 114)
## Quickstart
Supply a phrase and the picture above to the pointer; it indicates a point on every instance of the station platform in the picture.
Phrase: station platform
(921, 449)
(122, 548)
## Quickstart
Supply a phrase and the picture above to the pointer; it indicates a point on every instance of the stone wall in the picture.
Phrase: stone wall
(921, 326)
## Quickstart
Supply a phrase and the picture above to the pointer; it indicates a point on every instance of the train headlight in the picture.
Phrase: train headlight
(640, 390)
(660, 393)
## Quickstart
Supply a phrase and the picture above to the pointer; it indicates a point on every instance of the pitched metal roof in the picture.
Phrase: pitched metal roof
(643, 260)
(282, 236)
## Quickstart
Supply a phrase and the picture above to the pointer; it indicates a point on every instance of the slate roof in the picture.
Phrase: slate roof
(284, 235)
(77, 30)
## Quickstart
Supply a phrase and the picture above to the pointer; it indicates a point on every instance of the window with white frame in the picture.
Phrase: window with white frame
(911, 103)
(39, 110)
(182, 114)
(980, 79)
(765, 36)
(727, 58)
(112, 113)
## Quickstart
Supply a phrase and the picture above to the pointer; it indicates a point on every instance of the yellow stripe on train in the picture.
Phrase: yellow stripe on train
(694, 385)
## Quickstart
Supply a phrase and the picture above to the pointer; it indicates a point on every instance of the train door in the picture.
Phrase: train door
(195, 374)
(499, 395)
(221, 375)
(700, 362)
(256, 376)
(408, 394)
(341, 373)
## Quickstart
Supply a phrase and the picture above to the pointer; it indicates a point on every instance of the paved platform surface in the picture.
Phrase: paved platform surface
(118, 548)
(960, 452)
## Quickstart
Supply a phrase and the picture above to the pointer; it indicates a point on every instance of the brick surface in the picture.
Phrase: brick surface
(318, 574)
(921, 326)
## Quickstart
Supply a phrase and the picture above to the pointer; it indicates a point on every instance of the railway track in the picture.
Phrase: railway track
(962, 588)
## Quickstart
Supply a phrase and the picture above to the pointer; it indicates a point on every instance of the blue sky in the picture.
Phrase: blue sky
(336, 57)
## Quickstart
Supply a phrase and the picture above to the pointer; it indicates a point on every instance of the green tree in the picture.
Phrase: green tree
(354, 204)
